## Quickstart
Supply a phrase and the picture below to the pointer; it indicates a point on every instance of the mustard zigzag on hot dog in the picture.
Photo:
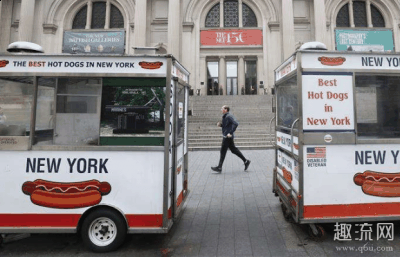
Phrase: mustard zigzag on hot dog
(379, 183)
(66, 195)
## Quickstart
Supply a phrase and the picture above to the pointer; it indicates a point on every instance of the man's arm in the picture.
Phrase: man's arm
(233, 124)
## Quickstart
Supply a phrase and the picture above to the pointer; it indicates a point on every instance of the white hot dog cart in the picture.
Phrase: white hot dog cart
(92, 144)
(338, 137)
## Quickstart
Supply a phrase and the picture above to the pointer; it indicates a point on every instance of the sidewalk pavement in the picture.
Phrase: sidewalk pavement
(235, 213)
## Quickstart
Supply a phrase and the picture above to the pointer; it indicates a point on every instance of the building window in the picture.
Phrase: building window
(116, 18)
(377, 18)
(249, 17)
(98, 15)
(232, 78)
(80, 19)
(231, 15)
(360, 15)
(100, 19)
(212, 19)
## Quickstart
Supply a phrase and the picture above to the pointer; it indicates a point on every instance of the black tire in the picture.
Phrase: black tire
(103, 230)
(320, 236)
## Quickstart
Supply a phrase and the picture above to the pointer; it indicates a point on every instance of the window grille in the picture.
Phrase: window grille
(117, 20)
(98, 15)
(377, 18)
(99, 10)
(80, 19)
(212, 19)
(231, 14)
(360, 14)
(343, 19)
(249, 18)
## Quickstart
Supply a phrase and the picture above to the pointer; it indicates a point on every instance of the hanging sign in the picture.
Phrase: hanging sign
(231, 37)
(94, 42)
(359, 40)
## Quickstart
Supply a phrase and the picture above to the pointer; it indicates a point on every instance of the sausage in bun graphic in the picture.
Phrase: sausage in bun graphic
(331, 61)
(3, 63)
(287, 175)
(378, 183)
(62, 195)
(150, 65)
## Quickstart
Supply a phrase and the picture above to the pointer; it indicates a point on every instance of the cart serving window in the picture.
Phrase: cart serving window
(90, 142)
(337, 137)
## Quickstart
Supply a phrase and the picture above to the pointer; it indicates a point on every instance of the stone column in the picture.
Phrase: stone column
(368, 9)
(351, 14)
(203, 76)
(174, 27)
(139, 33)
(89, 15)
(287, 28)
(222, 74)
(25, 27)
(320, 21)
(221, 13)
(240, 13)
(108, 11)
(241, 74)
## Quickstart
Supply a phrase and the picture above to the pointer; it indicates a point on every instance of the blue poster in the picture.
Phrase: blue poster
(94, 42)
(380, 40)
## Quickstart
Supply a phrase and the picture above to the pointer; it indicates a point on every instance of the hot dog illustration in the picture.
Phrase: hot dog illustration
(62, 195)
(3, 63)
(287, 175)
(331, 61)
(379, 183)
(150, 65)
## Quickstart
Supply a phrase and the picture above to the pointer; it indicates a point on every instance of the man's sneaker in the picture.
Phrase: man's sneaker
(217, 169)
(246, 164)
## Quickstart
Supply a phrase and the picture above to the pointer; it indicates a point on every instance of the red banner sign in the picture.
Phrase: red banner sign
(231, 37)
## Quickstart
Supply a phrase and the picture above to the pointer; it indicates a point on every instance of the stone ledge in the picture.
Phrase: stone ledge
(50, 28)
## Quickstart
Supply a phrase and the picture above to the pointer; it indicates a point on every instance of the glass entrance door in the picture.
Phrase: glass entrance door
(231, 86)
(231, 78)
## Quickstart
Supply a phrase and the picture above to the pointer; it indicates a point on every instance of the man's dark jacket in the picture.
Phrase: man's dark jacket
(229, 124)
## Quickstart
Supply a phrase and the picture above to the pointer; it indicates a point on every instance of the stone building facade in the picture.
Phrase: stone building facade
(229, 46)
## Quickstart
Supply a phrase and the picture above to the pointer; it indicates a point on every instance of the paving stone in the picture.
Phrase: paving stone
(259, 246)
(242, 243)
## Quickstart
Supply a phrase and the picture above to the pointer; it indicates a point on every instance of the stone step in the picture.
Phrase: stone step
(254, 114)
(217, 148)
(237, 138)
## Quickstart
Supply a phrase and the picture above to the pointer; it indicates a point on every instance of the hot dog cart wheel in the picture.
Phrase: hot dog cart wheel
(316, 232)
(103, 230)
(286, 213)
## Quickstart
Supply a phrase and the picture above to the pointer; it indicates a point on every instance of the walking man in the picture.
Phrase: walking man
(229, 125)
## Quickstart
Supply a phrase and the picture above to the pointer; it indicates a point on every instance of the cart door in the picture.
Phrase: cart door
(180, 174)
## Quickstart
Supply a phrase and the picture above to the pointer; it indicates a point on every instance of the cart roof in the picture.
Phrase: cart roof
(338, 61)
(90, 65)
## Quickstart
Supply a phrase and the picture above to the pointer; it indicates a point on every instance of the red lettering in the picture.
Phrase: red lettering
(312, 121)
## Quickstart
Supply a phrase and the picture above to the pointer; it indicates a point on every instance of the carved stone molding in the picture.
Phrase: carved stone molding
(188, 26)
(50, 28)
(274, 25)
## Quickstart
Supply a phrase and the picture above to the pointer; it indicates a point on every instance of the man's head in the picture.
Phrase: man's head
(225, 109)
